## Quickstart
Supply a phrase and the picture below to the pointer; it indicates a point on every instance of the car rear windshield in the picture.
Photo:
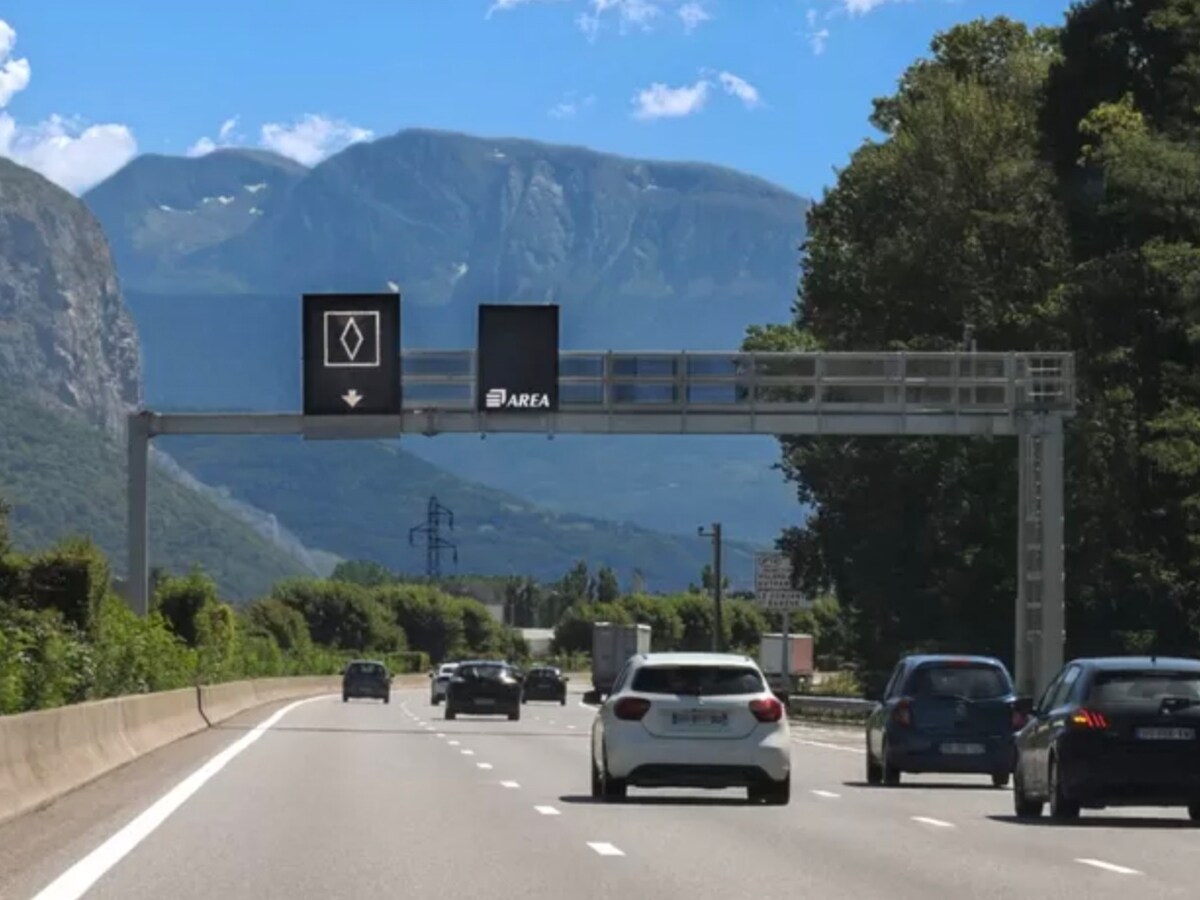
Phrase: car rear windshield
(1142, 687)
(491, 673)
(971, 681)
(697, 680)
(366, 669)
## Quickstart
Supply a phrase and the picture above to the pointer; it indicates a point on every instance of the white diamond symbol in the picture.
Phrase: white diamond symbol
(351, 334)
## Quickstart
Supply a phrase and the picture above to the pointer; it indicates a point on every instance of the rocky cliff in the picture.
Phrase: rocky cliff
(65, 337)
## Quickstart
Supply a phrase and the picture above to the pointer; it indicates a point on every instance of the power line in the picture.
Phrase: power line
(434, 542)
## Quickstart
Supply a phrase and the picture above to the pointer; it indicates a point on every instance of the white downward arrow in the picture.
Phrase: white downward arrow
(352, 397)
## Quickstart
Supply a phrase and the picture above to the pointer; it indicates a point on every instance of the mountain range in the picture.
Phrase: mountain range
(214, 252)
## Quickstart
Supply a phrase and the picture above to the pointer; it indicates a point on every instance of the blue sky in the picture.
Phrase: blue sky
(780, 88)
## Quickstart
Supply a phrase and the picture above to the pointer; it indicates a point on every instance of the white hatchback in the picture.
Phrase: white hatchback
(705, 720)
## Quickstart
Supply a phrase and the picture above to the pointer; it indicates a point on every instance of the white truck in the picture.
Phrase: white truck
(612, 645)
(800, 660)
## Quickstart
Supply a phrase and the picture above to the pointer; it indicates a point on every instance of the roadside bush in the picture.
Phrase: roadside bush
(72, 578)
(180, 600)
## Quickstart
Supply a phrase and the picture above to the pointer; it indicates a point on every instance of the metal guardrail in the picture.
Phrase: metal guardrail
(806, 702)
(825, 383)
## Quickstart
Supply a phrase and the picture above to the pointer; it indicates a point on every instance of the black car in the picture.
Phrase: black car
(948, 714)
(484, 688)
(1117, 731)
(366, 678)
(546, 683)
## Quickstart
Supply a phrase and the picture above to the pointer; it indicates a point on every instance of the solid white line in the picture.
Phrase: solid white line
(467, 752)
(1109, 867)
(484, 765)
(937, 823)
(605, 849)
(76, 881)
(826, 794)
(547, 810)
(510, 784)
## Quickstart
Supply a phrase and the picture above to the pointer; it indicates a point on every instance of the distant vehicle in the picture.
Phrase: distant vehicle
(949, 714)
(545, 683)
(1117, 731)
(702, 720)
(366, 678)
(484, 687)
(438, 680)
(800, 659)
(612, 646)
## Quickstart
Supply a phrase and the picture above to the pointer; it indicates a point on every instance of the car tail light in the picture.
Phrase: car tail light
(1085, 718)
(902, 714)
(767, 709)
(631, 709)
(1019, 720)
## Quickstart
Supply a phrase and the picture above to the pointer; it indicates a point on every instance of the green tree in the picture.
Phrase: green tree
(608, 586)
(362, 572)
(180, 601)
(950, 220)
(577, 586)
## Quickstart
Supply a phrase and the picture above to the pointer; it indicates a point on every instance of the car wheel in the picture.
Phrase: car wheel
(387, 698)
(515, 715)
(597, 781)
(564, 700)
(999, 779)
(614, 788)
(1023, 805)
(1061, 807)
(1194, 812)
(434, 701)
(777, 793)
(891, 774)
(524, 700)
(450, 713)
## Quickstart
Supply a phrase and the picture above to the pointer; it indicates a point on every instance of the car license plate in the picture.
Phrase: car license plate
(699, 717)
(963, 749)
(484, 701)
(1166, 734)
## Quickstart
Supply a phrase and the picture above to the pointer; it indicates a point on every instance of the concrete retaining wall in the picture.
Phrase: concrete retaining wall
(48, 753)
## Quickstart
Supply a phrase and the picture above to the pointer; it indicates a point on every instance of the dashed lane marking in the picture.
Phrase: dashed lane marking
(829, 794)
(1108, 867)
(605, 849)
(468, 752)
(484, 765)
(547, 810)
(509, 784)
(453, 743)
(936, 823)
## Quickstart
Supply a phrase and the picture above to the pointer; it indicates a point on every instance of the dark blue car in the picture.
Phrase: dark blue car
(949, 714)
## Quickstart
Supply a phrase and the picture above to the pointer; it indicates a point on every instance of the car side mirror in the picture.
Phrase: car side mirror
(566, 678)
(1025, 706)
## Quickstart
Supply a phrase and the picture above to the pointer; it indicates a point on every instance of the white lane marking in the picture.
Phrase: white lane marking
(547, 810)
(467, 752)
(484, 765)
(441, 734)
(936, 823)
(570, 726)
(1108, 867)
(453, 743)
(551, 721)
(76, 881)
(825, 746)
(605, 849)
(830, 794)
(510, 784)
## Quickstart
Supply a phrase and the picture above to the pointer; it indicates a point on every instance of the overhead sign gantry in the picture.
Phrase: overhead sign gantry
(967, 394)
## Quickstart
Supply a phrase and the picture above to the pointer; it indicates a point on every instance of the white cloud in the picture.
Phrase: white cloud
(817, 39)
(740, 88)
(312, 138)
(225, 138)
(628, 13)
(660, 101)
(861, 7)
(570, 107)
(811, 18)
(70, 153)
(506, 5)
(693, 16)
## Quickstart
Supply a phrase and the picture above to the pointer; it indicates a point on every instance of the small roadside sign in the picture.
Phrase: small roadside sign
(773, 583)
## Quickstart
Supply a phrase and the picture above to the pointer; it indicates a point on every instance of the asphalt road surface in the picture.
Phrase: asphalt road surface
(364, 800)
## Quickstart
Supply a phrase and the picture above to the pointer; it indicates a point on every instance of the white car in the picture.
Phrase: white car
(705, 720)
(438, 682)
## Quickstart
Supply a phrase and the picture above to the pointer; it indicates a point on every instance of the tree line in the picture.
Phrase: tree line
(1041, 187)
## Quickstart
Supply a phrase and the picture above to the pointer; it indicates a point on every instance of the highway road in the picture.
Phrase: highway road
(364, 800)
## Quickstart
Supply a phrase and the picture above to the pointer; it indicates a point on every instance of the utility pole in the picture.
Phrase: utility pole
(718, 630)
(434, 542)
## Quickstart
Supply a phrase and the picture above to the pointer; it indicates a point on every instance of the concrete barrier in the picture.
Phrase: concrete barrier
(47, 753)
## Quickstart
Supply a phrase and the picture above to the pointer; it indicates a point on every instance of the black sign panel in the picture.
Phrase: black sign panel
(351, 354)
(517, 359)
